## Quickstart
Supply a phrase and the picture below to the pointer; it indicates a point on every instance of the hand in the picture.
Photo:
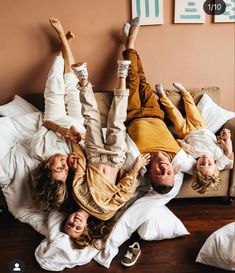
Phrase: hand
(141, 161)
(224, 134)
(73, 161)
(189, 149)
(225, 143)
(73, 135)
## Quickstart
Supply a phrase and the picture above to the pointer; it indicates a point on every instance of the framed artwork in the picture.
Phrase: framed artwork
(150, 11)
(228, 15)
(189, 11)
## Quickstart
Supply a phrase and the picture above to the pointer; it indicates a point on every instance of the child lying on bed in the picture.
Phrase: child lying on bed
(62, 105)
(100, 186)
(212, 154)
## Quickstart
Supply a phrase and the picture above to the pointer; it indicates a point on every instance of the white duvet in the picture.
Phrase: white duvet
(17, 169)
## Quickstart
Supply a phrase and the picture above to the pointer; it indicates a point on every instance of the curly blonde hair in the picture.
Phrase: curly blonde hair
(202, 182)
(49, 193)
(96, 230)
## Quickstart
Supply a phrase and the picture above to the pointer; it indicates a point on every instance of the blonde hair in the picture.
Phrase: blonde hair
(202, 182)
(49, 193)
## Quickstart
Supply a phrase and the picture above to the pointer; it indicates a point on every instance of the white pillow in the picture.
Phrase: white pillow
(17, 106)
(219, 248)
(163, 224)
(8, 135)
(214, 115)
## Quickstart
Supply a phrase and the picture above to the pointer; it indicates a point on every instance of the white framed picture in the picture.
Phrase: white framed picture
(189, 11)
(229, 15)
(150, 11)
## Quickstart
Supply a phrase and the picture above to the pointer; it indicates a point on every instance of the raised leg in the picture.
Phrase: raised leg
(94, 143)
(116, 131)
(142, 101)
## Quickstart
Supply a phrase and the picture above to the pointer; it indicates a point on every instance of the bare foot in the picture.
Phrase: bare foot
(56, 25)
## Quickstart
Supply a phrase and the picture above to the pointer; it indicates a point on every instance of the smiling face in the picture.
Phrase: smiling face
(59, 167)
(161, 170)
(75, 224)
(206, 165)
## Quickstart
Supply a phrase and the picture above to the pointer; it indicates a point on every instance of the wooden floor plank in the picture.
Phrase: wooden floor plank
(200, 216)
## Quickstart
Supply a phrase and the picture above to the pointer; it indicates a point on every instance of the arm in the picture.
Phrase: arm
(127, 185)
(69, 134)
(186, 147)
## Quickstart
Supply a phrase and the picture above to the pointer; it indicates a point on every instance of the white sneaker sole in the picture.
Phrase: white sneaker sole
(130, 264)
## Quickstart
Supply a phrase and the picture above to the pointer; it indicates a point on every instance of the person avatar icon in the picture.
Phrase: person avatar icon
(17, 267)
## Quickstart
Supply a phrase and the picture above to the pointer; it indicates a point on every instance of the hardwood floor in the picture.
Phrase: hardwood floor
(200, 216)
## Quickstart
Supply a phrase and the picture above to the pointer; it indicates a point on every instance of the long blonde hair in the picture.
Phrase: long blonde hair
(202, 182)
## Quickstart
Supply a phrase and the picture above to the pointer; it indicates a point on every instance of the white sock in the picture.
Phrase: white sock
(80, 70)
(159, 89)
(126, 29)
(123, 66)
(135, 21)
(179, 86)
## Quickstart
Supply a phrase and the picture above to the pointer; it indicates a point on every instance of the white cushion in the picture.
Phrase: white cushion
(17, 106)
(163, 224)
(8, 135)
(219, 248)
(214, 115)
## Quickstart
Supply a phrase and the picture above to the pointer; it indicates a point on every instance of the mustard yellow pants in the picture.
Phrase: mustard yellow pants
(193, 119)
(142, 101)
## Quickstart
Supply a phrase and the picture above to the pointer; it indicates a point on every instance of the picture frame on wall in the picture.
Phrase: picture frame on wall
(189, 12)
(150, 11)
(229, 15)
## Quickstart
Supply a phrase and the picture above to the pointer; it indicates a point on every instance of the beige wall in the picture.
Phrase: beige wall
(197, 55)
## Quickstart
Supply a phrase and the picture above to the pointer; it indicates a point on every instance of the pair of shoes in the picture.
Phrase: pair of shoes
(123, 66)
(160, 91)
(80, 70)
(132, 255)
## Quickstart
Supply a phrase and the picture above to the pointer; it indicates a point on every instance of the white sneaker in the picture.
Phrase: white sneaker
(80, 70)
(123, 66)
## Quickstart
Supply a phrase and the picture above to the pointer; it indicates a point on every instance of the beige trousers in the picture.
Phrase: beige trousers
(113, 150)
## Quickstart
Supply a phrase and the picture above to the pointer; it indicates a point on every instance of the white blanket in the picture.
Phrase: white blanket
(54, 253)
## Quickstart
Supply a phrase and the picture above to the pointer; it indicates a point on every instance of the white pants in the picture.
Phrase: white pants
(62, 99)
(62, 105)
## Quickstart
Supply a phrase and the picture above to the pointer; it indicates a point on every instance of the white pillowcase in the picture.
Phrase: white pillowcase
(163, 224)
(8, 135)
(17, 106)
(214, 115)
(219, 248)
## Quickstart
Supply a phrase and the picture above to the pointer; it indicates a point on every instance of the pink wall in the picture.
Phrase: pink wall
(197, 55)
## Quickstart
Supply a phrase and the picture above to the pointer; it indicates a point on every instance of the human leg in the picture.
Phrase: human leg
(94, 143)
(54, 91)
(142, 101)
(116, 131)
(173, 113)
(194, 119)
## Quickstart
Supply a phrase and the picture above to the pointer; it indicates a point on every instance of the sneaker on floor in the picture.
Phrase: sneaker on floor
(80, 70)
(132, 255)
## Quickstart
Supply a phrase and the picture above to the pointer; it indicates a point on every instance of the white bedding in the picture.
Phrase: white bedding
(17, 170)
